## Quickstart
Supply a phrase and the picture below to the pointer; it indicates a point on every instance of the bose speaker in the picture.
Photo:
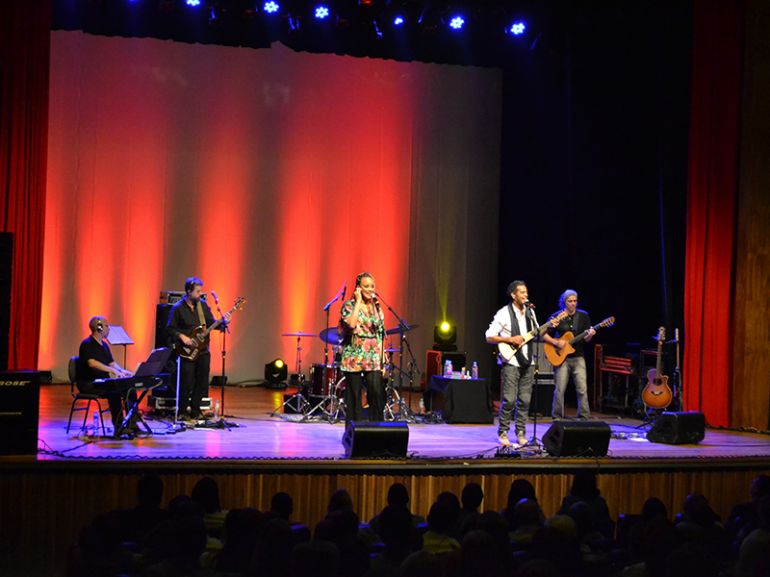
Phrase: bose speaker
(678, 428)
(20, 402)
(577, 439)
(378, 439)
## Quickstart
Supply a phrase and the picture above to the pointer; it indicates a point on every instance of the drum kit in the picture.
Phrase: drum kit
(321, 396)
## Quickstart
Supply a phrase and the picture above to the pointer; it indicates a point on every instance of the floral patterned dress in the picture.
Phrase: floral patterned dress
(362, 346)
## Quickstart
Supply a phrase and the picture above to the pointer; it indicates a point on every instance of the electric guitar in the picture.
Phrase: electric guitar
(657, 394)
(507, 351)
(201, 335)
(556, 355)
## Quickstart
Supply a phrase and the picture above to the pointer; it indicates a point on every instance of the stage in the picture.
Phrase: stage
(46, 499)
(285, 440)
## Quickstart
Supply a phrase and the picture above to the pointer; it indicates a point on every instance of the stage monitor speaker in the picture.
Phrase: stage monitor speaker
(161, 318)
(375, 439)
(6, 273)
(577, 439)
(20, 402)
(678, 428)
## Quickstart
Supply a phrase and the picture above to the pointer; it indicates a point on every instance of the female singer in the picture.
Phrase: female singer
(363, 355)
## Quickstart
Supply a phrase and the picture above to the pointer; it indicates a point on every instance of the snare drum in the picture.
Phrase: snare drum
(319, 378)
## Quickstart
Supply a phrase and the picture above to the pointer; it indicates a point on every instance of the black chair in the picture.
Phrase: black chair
(78, 397)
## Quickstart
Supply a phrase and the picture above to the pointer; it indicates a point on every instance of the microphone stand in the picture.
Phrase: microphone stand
(534, 442)
(404, 411)
(223, 377)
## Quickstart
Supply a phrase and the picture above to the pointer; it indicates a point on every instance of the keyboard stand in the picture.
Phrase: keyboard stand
(133, 409)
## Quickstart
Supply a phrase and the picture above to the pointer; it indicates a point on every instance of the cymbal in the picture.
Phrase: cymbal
(298, 334)
(397, 330)
(330, 336)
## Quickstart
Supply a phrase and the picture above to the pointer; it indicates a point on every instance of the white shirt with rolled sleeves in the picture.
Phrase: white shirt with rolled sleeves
(501, 327)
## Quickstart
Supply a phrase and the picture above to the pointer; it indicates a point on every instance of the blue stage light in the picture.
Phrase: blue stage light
(398, 21)
(457, 22)
(193, 3)
(518, 28)
(271, 7)
(321, 11)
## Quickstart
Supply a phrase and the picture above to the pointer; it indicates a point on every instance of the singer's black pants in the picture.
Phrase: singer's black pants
(375, 395)
(194, 383)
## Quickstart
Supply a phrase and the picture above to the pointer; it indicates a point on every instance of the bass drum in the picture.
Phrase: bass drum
(320, 375)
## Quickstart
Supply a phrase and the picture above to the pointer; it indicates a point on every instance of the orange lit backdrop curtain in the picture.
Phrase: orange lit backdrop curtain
(270, 174)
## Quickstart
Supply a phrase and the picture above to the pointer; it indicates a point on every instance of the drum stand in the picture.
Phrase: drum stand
(302, 402)
(329, 404)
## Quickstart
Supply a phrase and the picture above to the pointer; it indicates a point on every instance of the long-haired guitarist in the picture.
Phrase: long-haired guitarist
(186, 315)
(509, 327)
(575, 322)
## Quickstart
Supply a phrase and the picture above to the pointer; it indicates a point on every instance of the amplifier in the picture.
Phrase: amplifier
(170, 297)
(168, 404)
(19, 411)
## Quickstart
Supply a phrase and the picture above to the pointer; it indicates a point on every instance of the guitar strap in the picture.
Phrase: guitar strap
(201, 317)
(523, 361)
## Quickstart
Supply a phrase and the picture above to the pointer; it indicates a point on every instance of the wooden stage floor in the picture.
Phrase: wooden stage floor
(46, 499)
(259, 437)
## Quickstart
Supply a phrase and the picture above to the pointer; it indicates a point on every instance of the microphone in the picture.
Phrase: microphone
(344, 290)
(527, 304)
(214, 294)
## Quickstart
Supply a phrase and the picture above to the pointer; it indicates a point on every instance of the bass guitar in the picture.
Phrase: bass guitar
(507, 351)
(657, 394)
(556, 355)
(201, 335)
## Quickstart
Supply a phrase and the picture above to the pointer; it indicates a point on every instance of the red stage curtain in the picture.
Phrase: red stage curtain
(24, 56)
(713, 183)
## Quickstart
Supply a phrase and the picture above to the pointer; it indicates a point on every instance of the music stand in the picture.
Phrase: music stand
(119, 337)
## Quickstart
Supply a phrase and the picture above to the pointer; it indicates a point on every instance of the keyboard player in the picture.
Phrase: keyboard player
(96, 362)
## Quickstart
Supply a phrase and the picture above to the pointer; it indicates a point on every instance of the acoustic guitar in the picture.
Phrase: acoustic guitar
(556, 355)
(507, 351)
(657, 394)
(201, 335)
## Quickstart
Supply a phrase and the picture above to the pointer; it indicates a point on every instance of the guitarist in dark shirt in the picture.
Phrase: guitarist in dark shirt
(187, 314)
(576, 321)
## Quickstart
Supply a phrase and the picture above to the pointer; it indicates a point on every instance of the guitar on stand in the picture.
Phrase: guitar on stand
(201, 335)
(556, 356)
(657, 394)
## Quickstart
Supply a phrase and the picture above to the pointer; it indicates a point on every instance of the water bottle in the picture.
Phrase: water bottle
(216, 409)
(96, 424)
(475, 370)
(448, 369)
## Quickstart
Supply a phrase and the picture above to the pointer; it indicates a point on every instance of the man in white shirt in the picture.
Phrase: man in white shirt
(509, 326)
